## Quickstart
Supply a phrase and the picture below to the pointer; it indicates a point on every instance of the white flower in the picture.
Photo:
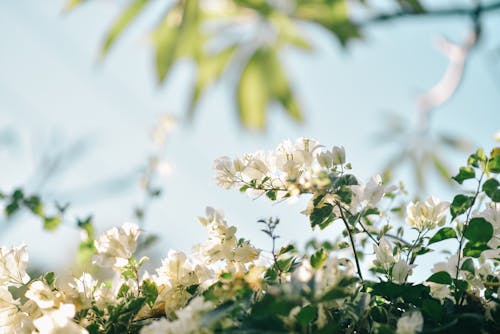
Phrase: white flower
(426, 215)
(325, 159)
(369, 194)
(59, 321)
(439, 291)
(43, 295)
(11, 319)
(384, 254)
(115, 247)
(186, 322)
(13, 264)
(410, 324)
(82, 290)
(400, 271)
(338, 155)
(225, 173)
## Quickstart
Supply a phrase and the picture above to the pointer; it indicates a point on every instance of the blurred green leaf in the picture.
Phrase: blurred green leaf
(332, 15)
(318, 258)
(253, 95)
(210, 69)
(492, 189)
(71, 4)
(123, 21)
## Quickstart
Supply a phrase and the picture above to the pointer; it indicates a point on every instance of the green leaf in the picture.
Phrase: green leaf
(432, 308)
(460, 205)
(122, 292)
(334, 293)
(34, 204)
(332, 15)
(11, 209)
(492, 189)
(474, 249)
(253, 93)
(465, 173)
(468, 265)
(441, 277)
(477, 159)
(150, 291)
(478, 230)
(494, 164)
(49, 278)
(286, 249)
(125, 18)
(51, 223)
(279, 86)
(318, 258)
(210, 69)
(321, 216)
(271, 194)
(443, 234)
(307, 314)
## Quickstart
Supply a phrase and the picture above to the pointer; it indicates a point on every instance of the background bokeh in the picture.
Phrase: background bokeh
(58, 102)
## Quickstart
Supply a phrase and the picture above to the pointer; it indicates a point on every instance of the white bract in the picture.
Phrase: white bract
(410, 323)
(426, 215)
(13, 264)
(115, 247)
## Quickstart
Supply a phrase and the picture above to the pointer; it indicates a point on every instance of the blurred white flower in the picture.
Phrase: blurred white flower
(400, 271)
(384, 254)
(13, 264)
(12, 320)
(59, 321)
(115, 247)
(410, 323)
(338, 155)
(426, 215)
(187, 321)
(439, 291)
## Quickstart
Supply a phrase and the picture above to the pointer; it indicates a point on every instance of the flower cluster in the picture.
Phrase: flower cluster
(227, 284)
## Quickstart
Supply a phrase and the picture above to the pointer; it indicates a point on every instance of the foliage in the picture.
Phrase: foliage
(228, 285)
(244, 39)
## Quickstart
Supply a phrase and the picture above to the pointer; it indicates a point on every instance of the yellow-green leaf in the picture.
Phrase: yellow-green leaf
(253, 94)
(124, 19)
(71, 4)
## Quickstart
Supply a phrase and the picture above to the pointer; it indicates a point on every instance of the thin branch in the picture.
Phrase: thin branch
(444, 12)
(358, 267)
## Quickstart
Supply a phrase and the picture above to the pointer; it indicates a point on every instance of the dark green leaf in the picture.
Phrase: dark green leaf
(478, 230)
(443, 234)
(474, 249)
(149, 291)
(441, 277)
(468, 265)
(492, 189)
(271, 194)
(432, 308)
(494, 164)
(460, 205)
(465, 173)
(307, 314)
(321, 216)
(49, 278)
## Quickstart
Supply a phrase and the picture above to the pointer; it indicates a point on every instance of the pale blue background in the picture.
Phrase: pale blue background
(53, 92)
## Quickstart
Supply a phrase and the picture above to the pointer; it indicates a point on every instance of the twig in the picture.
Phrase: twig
(349, 232)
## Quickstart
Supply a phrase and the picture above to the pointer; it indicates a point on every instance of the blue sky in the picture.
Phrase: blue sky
(53, 93)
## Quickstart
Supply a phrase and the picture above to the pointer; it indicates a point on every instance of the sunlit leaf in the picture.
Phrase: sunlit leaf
(253, 95)
(125, 18)
(71, 4)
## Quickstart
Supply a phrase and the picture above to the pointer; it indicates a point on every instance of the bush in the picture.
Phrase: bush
(228, 285)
